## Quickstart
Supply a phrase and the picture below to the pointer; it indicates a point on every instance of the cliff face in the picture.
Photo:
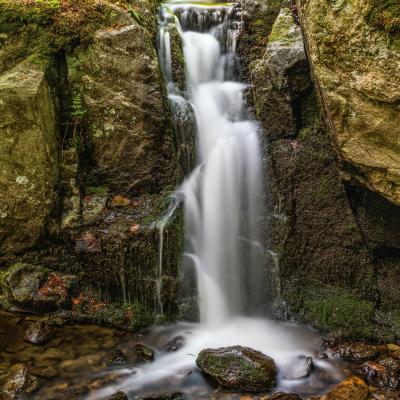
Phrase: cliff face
(87, 151)
(354, 49)
(326, 226)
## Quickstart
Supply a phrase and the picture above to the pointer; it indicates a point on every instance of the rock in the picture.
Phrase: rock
(167, 396)
(128, 123)
(144, 352)
(359, 88)
(383, 373)
(28, 156)
(280, 77)
(239, 368)
(118, 396)
(175, 343)
(394, 350)
(93, 208)
(351, 388)
(19, 382)
(39, 333)
(282, 396)
(356, 351)
(36, 288)
(116, 357)
(300, 368)
(120, 201)
(88, 243)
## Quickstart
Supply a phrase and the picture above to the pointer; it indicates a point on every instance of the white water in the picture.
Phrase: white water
(223, 208)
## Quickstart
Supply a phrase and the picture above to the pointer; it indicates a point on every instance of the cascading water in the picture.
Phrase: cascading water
(223, 198)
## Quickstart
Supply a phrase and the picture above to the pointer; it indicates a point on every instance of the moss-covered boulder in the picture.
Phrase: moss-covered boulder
(28, 156)
(239, 368)
(354, 49)
(128, 133)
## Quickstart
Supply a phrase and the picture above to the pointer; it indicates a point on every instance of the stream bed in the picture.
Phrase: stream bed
(80, 361)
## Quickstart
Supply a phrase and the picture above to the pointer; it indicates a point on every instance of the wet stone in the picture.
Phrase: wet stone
(383, 373)
(19, 382)
(352, 388)
(118, 396)
(115, 358)
(163, 396)
(282, 396)
(301, 368)
(39, 333)
(356, 351)
(144, 352)
(175, 344)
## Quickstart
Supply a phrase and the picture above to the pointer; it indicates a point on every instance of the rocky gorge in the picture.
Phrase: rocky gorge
(92, 231)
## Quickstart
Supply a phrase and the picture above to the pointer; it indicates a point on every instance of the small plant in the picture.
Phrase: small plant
(77, 115)
(136, 16)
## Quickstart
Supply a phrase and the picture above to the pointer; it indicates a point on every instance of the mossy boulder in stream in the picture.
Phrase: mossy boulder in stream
(239, 368)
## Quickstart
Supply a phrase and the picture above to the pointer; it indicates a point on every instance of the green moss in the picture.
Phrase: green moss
(97, 190)
(385, 14)
(336, 311)
(282, 31)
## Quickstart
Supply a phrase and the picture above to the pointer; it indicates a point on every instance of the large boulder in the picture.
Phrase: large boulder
(28, 156)
(128, 130)
(238, 368)
(356, 62)
(280, 77)
(19, 382)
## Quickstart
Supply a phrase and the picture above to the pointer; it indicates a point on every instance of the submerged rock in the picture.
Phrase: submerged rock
(351, 388)
(383, 373)
(118, 396)
(20, 381)
(144, 352)
(282, 396)
(39, 333)
(175, 343)
(239, 368)
(300, 368)
(116, 357)
(163, 396)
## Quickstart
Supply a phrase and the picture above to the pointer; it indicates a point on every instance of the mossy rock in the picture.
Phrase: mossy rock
(239, 368)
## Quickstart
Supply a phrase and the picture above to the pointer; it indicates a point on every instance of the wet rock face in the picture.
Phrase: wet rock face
(359, 88)
(351, 388)
(280, 78)
(383, 373)
(238, 368)
(128, 126)
(28, 157)
(144, 352)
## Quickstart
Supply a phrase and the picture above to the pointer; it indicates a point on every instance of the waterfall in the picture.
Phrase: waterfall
(223, 194)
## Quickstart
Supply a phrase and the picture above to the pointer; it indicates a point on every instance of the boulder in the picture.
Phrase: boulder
(20, 382)
(282, 396)
(128, 132)
(118, 396)
(351, 388)
(33, 287)
(28, 157)
(383, 373)
(300, 368)
(239, 368)
(116, 357)
(280, 77)
(356, 65)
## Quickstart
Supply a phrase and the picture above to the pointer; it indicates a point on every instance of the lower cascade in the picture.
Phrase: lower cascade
(224, 217)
